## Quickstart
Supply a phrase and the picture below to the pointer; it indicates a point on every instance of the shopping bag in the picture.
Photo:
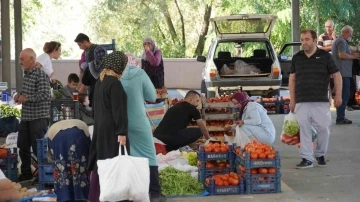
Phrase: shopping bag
(291, 126)
(124, 178)
(241, 139)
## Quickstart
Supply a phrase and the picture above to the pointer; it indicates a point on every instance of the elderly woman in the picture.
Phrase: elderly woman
(139, 89)
(253, 119)
(152, 63)
(110, 115)
(69, 144)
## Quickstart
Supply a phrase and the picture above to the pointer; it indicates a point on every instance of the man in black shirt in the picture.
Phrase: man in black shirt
(87, 79)
(173, 130)
(308, 85)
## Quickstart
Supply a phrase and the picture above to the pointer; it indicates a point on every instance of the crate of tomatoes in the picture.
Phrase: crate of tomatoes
(213, 167)
(225, 184)
(215, 151)
(260, 180)
(257, 155)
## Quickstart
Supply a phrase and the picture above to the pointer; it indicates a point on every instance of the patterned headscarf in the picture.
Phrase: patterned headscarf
(115, 61)
(149, 40)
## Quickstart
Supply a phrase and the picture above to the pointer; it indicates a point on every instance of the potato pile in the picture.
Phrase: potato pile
(23, 191)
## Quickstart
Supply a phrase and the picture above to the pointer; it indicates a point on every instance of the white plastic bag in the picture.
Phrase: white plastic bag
(124, 178)
(241, 139)
(291, 126)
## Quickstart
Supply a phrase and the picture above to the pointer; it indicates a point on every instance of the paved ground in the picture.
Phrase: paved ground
(338, 182)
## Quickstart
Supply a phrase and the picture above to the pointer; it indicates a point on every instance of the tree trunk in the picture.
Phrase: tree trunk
(317, 16)
(202, 37)
(183, 43)
(169, 23)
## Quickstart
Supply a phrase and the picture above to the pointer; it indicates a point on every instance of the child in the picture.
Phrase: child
(73, 81)
(86, 112)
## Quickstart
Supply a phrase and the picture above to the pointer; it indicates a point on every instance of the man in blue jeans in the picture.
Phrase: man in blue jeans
(343, 58)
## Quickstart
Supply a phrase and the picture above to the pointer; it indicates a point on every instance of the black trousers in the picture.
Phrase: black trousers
(180, 139)
(352, 100)
(29, 132)
(154, 189)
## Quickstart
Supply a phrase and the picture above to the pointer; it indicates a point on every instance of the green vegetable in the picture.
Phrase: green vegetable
(191, 157)
(291, 127)
(7, 111)
(176, 182)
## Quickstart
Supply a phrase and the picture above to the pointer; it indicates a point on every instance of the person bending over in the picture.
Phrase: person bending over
(173, 130)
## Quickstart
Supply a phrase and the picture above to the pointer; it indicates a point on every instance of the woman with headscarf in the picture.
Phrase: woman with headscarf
(138, 88)
(110, 115)
(152, 63)
(253, 119)
(69, 144)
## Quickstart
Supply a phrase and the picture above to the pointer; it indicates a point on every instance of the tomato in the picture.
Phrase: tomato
(263, 171)
(253, 155)
(207, 149)
(238, 150)
(231, 174)
(224, 149)
(272, 170)
(199, 163)
(225, 178)
(235, 182)
(262, 156)
(217, 149)
(222, 165)
(220, 183)
(242, 168)
(254, 171)
(207, 181)
(259, 151)
(271, 156)
(226, 183)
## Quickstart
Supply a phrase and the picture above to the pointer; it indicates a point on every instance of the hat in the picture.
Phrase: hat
(94, 66)
(115, 61)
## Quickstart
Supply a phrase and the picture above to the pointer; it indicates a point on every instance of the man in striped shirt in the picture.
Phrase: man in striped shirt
(35, 100)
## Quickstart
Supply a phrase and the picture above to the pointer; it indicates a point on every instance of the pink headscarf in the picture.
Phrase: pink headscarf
(242, 99)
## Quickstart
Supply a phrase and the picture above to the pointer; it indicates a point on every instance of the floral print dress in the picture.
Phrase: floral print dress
(70, 150)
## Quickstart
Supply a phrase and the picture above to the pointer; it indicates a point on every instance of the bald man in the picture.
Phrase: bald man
(326, 39)
(343, 57)
(35, 100)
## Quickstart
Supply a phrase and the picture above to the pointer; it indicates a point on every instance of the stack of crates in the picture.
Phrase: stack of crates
(272, 105)
(8, 165)
(46, 169)
(217, 163)
(284, 105)
(250, 169)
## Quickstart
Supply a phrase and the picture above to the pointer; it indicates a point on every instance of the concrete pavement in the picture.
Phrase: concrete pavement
(338, 182)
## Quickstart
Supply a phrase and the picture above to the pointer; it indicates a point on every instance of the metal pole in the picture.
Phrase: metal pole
(295, 23)
(5, 38)
(18, 43)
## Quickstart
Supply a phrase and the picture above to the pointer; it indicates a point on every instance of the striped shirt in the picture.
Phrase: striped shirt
(36, 87)
(312, 76)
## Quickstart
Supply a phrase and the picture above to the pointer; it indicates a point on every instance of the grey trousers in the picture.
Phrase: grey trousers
(316, 114)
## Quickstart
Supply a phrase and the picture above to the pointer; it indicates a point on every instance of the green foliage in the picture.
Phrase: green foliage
(130, 21)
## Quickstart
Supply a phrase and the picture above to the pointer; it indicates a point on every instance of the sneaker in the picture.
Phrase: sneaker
(321, 161)
(343, 122)
(24, 177)
(161, 198)
(304, 164)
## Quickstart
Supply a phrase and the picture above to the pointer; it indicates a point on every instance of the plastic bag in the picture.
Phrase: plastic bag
(291, 126)
(124, 178)
(241, 139)
(225, 70)
(242, 67)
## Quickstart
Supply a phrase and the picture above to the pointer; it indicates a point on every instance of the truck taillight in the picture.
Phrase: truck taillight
(275, 72)
(212, 73)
